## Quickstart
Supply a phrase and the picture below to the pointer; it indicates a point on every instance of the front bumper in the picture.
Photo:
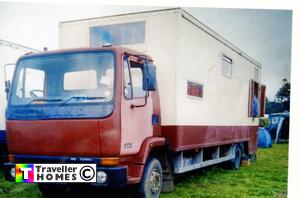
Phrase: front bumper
(116, 175)
(3, 147)
(7, 168)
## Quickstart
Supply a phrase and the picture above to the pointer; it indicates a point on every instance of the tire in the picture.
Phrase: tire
(237, 160)
(53, 190)
(152, 180)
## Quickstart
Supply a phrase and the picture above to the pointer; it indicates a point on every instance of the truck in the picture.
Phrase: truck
(9, 52)
(146, 96)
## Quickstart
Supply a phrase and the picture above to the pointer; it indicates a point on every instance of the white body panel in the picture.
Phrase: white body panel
(184, 50)
(9, 53)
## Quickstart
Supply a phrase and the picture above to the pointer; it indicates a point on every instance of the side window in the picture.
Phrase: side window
(194, 89)
(226, 67)
(133, 80)
(254, 99)
(118, 34)
(19, 91)
(127, 81)
(137, 82)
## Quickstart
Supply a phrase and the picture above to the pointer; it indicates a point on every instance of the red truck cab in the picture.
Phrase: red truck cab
(75, 106)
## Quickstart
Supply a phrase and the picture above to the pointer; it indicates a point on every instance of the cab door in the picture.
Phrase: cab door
(136, 108)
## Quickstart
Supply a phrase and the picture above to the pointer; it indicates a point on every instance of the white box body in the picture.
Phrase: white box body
(184, 50)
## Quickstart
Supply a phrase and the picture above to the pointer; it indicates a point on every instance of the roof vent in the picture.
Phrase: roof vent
(107, 45)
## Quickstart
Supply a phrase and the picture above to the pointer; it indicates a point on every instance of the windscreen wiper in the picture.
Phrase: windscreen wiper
(44, 100)
(80, 98)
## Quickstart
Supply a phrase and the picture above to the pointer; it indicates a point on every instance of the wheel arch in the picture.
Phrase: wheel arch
(150, 146)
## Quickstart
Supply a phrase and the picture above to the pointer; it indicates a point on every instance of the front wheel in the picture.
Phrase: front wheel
(151, 184)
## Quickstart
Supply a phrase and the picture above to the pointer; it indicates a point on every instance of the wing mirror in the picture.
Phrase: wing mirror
(7, 87)
(149, 80)
(6, 81)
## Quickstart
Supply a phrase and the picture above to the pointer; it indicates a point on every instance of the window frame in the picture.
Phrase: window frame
(201, 85)
(228, 60)
(260, 98)
(129, 70)
(114, 27)
(11, 98)
(128, 59)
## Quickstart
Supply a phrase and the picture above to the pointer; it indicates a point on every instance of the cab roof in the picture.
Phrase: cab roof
(116, 49)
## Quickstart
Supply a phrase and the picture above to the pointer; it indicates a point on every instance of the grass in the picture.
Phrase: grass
(267, 177)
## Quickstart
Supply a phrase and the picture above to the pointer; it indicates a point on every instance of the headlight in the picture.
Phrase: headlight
(13, 172)
(101, 177)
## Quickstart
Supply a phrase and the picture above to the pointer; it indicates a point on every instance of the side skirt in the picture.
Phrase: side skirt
(184, 161)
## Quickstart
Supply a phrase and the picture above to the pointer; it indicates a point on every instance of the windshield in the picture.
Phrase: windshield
(64, 79)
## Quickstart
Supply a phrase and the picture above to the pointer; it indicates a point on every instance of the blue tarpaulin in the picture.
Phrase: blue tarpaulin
(264, 138)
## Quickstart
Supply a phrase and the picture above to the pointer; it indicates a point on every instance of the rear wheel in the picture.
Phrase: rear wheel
(237, 160)
(151, 184)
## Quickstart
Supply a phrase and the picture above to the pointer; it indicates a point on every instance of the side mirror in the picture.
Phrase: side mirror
(7, 82)
(7, 87)
(149, 81)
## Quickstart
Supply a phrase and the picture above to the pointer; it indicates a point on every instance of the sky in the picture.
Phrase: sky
(265, 35)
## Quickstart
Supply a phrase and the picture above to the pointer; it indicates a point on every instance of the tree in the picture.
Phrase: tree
(282, 100)
(283, 94)
(273, 106)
